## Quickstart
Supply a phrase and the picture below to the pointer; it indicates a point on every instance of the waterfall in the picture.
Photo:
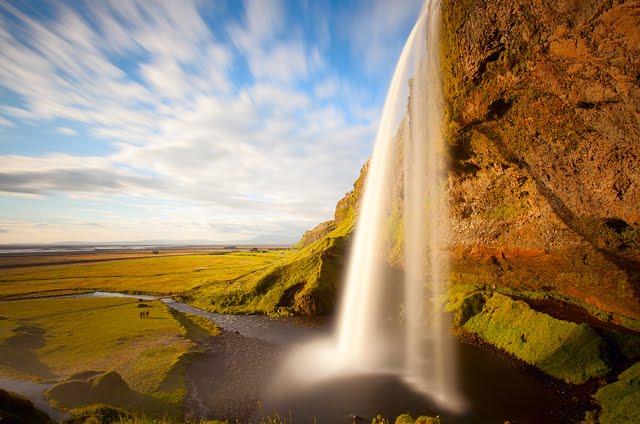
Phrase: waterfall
(383, 325)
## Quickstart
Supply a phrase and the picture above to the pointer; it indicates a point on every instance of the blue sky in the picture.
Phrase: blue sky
(179, 120)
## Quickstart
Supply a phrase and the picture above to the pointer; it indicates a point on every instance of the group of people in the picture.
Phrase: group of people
(144, 314)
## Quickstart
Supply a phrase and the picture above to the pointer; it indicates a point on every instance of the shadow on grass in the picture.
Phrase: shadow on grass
(17, 352)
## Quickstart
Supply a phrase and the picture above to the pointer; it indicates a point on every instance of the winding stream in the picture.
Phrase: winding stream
(240, 377)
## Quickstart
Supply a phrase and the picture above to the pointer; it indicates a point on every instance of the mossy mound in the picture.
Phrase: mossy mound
(465, 302)
(408, 419)
(108, 388)
(17, 409)
(98, 414)
(619, 401)
(307, 282)
(562, 349)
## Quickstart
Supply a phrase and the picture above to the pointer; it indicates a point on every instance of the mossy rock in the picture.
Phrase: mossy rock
(17, 409)
(465, 301)
(619, 401)
(408, 419)
(471, 306)
(564, 350)
(427, 420)
(404, 419)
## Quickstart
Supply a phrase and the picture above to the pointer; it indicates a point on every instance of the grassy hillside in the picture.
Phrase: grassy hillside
(304, 282)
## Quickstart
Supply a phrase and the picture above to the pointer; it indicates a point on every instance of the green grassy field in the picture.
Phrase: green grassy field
(168, 275)
(274, 282)
(60, 339)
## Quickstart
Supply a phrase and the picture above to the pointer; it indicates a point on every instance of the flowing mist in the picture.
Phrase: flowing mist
(386, 323)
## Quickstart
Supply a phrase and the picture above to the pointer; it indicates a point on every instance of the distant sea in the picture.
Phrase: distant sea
(4, 250)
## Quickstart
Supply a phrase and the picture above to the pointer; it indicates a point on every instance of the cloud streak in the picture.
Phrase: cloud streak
(244, 115)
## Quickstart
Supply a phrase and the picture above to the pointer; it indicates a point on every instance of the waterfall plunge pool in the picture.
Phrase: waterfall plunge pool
(495, 389)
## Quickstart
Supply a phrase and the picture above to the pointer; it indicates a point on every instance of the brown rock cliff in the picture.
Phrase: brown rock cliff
(543, 126)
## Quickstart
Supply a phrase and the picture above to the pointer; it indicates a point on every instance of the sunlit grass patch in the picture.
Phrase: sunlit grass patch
(205, 324)
(156, 275)
(198, 329)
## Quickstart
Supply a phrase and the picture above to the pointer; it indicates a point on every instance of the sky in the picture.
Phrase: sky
(188, 120)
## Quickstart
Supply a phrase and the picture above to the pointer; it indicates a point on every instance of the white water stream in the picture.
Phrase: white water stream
(369, 337)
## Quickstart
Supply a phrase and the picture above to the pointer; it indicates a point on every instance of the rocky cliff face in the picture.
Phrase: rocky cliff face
(543, 119)
(543, 123)
(346, 210)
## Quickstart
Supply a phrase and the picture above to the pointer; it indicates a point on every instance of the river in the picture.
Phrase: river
(240, 377)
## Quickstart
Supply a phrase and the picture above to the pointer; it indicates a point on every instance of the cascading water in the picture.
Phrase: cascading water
(386, 326)
(368, 336)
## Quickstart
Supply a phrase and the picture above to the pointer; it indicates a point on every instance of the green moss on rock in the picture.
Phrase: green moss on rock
(316, 234)
(408, 419)
(565, 350)
(619, 401)
(465, 301)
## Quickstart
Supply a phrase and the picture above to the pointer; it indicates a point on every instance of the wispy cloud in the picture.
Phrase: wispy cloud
(4, 122)
(244, 118)
(65, 131)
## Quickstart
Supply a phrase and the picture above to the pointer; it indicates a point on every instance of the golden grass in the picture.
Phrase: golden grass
(11, 261)
(162, 275)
